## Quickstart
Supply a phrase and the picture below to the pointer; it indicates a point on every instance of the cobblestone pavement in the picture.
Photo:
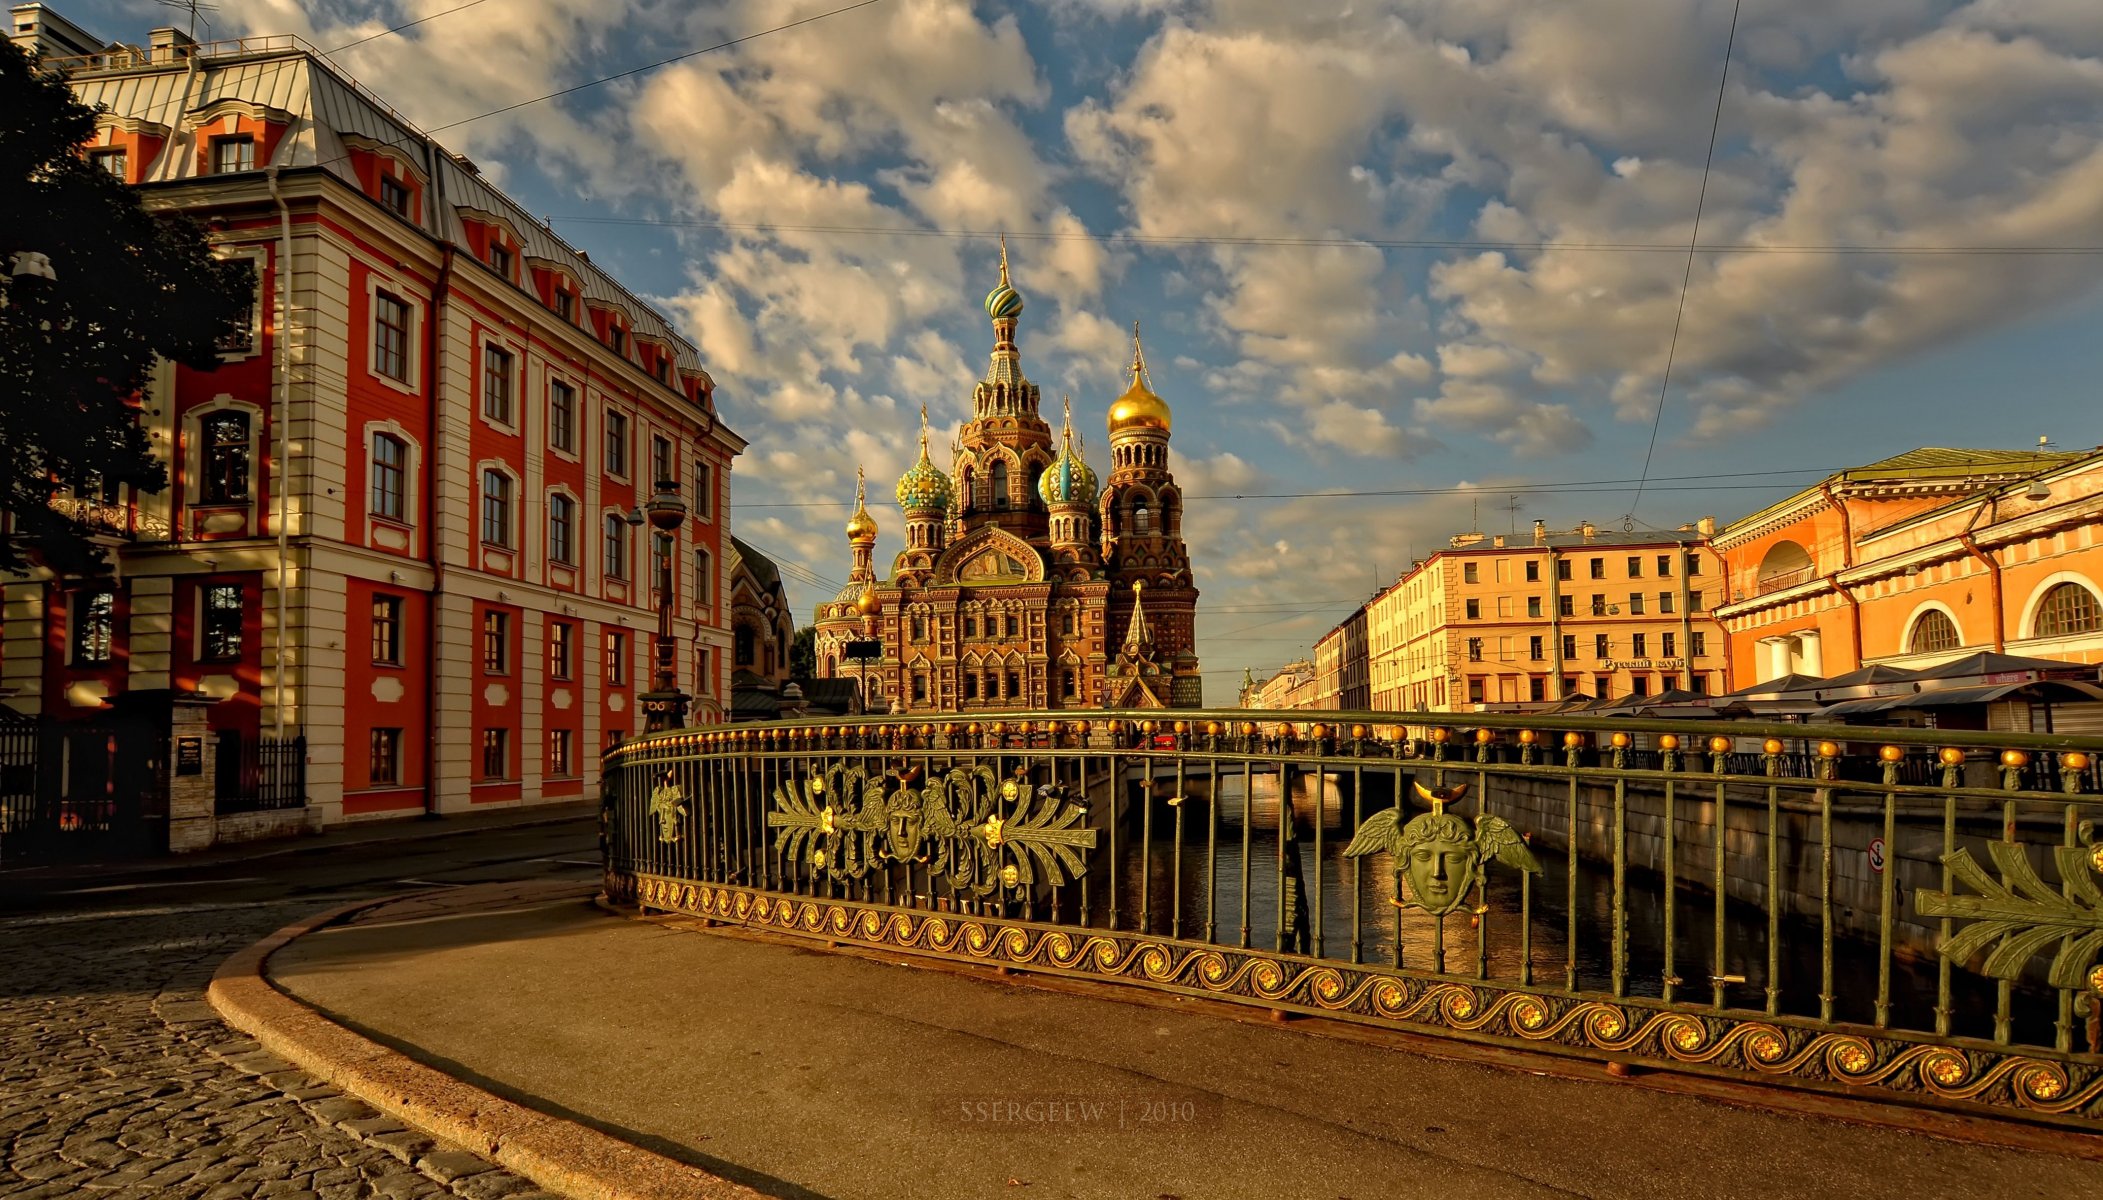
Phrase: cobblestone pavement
(118, 1080)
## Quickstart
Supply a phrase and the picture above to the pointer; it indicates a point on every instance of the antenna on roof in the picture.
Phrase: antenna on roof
(194, 8)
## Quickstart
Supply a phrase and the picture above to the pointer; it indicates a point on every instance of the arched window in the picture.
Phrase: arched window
(1000, 483)
(744, 643)
(1933, 631)
(390, 463)
(1142, 519)
(616, 547)
(2068, 608)
(496, 508)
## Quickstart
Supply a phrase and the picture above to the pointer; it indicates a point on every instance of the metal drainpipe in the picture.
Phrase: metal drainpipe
(1847, 559)
(279, 479)
(1993, 569)
(434, 387)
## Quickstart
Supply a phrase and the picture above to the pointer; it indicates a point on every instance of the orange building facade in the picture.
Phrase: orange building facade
(1917, 559)
(397, 518)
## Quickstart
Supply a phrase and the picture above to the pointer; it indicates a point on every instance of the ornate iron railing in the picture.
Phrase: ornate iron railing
(1847, 925)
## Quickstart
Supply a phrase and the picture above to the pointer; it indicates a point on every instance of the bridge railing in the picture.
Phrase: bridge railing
(1907, 914)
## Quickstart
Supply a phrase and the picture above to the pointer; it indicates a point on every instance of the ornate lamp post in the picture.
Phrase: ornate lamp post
(664, 707)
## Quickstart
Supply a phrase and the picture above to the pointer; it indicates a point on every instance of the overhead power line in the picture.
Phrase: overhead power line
(404, 25)
(1200, 239)
(1687, 277)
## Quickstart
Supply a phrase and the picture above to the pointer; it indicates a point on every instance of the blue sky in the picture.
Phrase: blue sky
(1269, 151)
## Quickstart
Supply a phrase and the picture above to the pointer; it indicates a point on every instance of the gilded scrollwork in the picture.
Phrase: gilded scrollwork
(966, 826)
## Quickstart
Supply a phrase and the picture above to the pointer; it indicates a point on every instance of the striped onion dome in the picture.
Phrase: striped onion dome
(1068, 481)
(924, 487)
(1004, 303)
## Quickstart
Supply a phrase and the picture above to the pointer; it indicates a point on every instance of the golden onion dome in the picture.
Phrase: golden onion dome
(861, 527)
(1139, 407)
(867, 603)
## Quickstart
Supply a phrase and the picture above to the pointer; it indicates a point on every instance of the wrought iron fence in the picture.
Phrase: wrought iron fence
(260, 774)
(1819, 913)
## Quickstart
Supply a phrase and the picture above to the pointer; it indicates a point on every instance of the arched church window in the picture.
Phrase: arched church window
(1000, 483)
(1068, 686)
(1142, 519)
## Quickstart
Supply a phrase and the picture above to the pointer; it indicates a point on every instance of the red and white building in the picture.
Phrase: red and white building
(397, 518)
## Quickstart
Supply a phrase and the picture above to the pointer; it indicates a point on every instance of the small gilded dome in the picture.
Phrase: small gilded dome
(1068, 481)
(868, 604)
(924, 486)
(1139, 407)
(861, 527)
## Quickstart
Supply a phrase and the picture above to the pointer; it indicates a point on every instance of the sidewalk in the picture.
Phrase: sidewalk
(337, 837)
(803, 1073)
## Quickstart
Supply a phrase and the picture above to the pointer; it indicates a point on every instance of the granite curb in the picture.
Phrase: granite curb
(563, 1156)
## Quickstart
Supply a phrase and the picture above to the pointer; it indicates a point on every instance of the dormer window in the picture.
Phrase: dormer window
(617, 338)
(395, 196)
(565, 305)
(234, 153)
(663, 371)
(113, 161)
(500, 258)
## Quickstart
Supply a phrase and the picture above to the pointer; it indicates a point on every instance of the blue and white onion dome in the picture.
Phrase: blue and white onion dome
(923, 486)
(1004, 303)
(1068, 480)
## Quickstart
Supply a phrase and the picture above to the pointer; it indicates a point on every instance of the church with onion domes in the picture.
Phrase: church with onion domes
(1026, 580)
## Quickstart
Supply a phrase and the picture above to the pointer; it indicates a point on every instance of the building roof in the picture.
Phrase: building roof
(758, 565)
(1925, 463)
(326, 107)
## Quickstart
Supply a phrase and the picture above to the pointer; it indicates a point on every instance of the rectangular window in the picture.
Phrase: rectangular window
(1599, 604)
(1635, 604)
(616, 547)
(1566, 605)
(1664, 602)
(1469, 573)
(235, 153)
(1639, 645)
(1635, 566)
(1667, 644)
(1504, 649)
(387, 630)
(1475, 690)
(617, 338)
(562, 529)
(390, 472)
(971, 627)
(1693, 602)
(221, 640)
(383, 761)
(704, 680)
(1066, 624)
(496, 384)
(1599, 568)
(1698, 683)
(1693, 565)
(704, 489)
(661, 462)
(225, 459)
(1014, 686)
(496, 643)
(1569, 646)
(1562, 569)
(562, 649)
(390, 336)
(1664, 566)
(500, 258)
(559, 757)
(562, 416)
(920, 688)
(705, 578)
(94, 626)
(565, 305)
(113, 161)
(1602, 647)
(1639, 685)
(496, 508)
(1534, 648)
(970, 687)
(1533, 571)
(1533, 606)
(1474, 649)
(1010, 626)
(394, 195)
(1474, 610)
(496, 753)
(1537, 688)
(617, 444)
(1697, 644)
(616, 658)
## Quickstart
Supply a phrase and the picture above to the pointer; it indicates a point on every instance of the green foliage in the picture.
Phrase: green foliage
(75, 353)
(803, 653)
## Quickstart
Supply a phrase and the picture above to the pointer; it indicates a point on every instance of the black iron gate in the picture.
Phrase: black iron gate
(79, 789)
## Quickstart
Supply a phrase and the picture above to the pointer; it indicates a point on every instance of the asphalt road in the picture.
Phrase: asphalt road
(117, 1080)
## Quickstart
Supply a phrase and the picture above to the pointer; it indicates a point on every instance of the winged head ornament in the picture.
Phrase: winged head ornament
(1439, 852)
(667, 804)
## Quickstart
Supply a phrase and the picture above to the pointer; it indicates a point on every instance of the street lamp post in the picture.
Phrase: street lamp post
(664, 707)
